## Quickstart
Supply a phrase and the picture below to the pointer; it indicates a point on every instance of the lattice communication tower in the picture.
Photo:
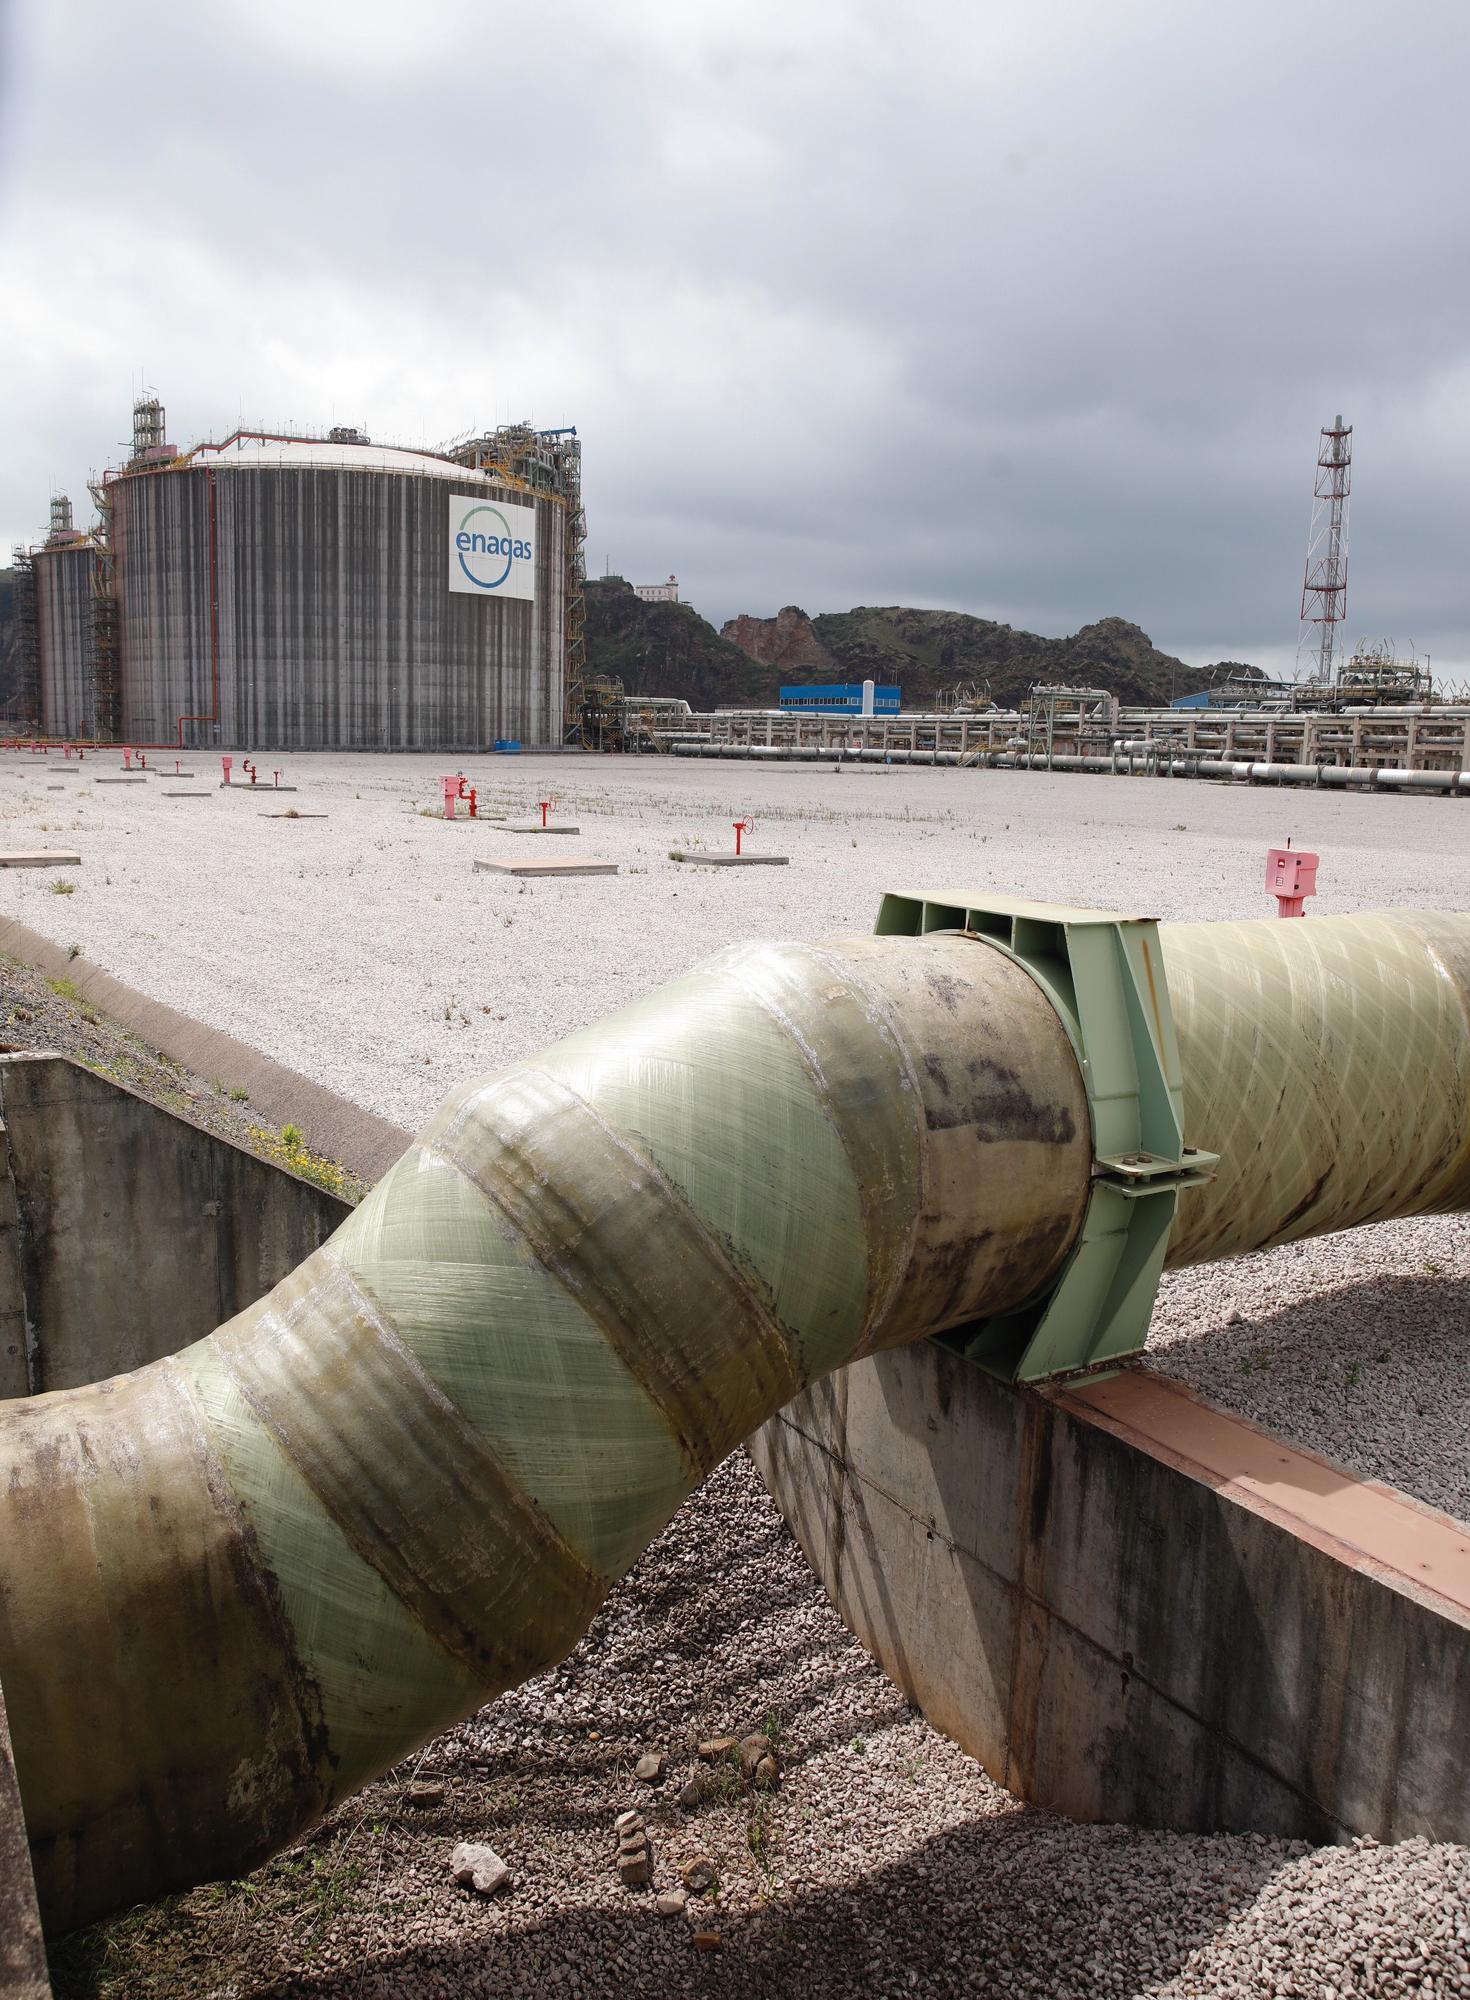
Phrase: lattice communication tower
(1324, 588)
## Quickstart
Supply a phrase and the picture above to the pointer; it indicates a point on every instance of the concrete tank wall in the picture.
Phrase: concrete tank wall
(68, 672)
(336, 626)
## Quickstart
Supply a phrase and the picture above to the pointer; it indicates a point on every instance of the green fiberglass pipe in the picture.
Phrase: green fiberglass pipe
(241, 1582)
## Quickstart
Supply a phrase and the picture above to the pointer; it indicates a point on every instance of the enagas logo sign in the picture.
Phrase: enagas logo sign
(492, 547)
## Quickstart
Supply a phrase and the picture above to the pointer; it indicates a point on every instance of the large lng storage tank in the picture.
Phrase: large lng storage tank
(65, 654)
(296, 593)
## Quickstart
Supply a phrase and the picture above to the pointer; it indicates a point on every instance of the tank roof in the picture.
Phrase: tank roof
(247, 453)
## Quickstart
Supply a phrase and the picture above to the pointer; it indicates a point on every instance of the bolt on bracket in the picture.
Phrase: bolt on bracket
(1103, 972)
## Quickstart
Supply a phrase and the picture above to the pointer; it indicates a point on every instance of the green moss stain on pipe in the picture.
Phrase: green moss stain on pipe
(240, 1583)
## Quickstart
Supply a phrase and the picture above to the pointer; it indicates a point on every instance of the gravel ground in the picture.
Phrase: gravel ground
(886, 1862)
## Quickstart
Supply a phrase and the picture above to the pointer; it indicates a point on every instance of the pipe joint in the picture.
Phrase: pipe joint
(1103, 972)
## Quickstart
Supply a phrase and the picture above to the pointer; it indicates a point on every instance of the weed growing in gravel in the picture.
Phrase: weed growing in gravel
(74, 951)
(237, 1095)
(291, 1137)
(65, 989)
(760, 1831)
(722, 1783)
(1355, 1369)
(62, 887)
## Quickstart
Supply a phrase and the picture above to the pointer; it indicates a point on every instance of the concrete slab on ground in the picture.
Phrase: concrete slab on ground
(729, 860)
(535, 826)
(585, 864)
(131, 778)
(39, 858)
(186, 795)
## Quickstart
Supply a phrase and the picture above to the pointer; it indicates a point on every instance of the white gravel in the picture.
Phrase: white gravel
(362, 950)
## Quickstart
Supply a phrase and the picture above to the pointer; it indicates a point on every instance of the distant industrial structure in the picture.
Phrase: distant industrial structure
(1324, 584)
(843, 698)
(285, 591)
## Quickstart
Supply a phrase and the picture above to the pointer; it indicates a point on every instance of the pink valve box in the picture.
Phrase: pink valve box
(450, 789)
(1291, 876)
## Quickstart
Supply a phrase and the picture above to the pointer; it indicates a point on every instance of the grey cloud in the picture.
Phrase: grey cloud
(1029, 310)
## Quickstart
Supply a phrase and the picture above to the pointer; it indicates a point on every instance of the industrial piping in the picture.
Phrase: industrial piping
(1139, 759)
(238, 1584)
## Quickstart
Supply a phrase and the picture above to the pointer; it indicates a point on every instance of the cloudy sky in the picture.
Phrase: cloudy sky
(1031, 308)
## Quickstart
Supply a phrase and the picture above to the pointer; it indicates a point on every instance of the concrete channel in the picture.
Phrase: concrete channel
(1127, 1605)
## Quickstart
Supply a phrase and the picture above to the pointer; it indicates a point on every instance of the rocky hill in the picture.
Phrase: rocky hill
(669, 649)
(929, 653)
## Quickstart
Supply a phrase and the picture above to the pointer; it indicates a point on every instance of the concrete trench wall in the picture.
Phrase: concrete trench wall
(1123, 1633)
(125, 1232)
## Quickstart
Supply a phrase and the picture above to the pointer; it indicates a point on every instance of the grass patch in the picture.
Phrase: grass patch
(63, 887)
(191, 1944)
(288, 1149)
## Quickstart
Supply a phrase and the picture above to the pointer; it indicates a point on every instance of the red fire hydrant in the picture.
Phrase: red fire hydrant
(545, 805)
(742, 827)
(468, 793)
(1291, 876)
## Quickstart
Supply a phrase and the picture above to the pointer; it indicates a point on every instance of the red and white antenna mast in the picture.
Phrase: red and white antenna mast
(1324, 589)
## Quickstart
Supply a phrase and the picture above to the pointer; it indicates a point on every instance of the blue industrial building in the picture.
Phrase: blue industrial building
(841, 699)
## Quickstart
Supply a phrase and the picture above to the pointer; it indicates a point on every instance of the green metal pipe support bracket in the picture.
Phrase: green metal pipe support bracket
(1103, 972)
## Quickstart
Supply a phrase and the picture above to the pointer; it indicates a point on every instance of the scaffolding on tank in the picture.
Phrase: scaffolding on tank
(24, 709)
(106, 667)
